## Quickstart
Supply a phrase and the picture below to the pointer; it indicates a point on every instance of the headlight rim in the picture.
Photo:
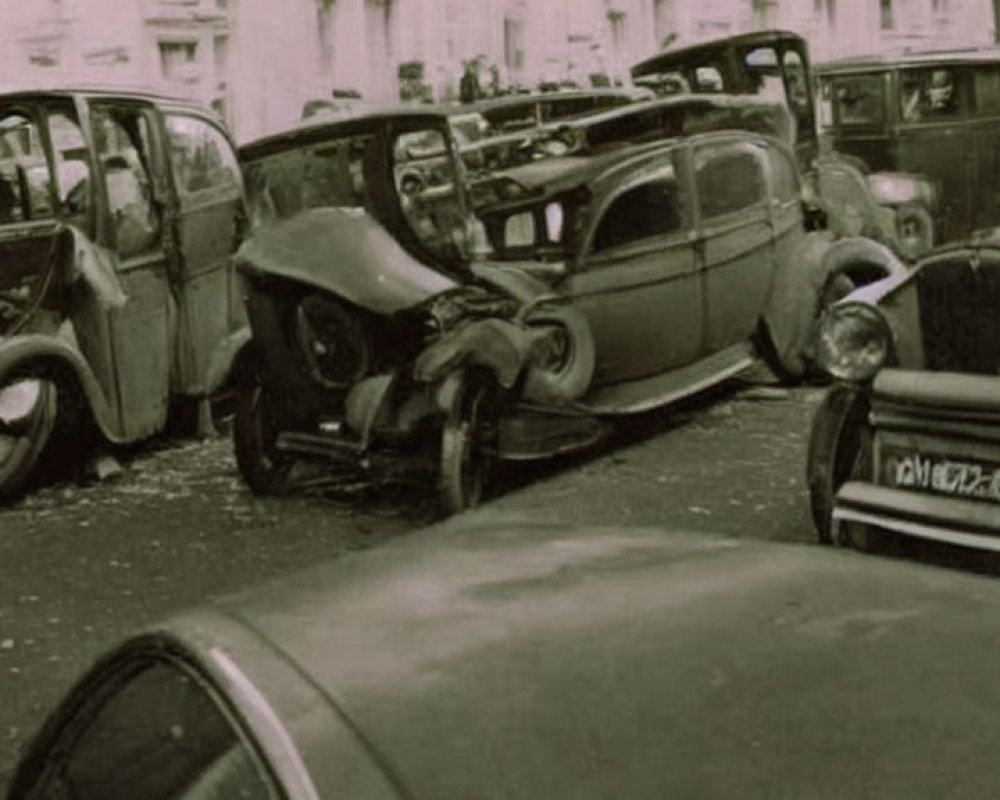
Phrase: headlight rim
(856, 372)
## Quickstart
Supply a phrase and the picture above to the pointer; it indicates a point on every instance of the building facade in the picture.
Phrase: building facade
(258, 61)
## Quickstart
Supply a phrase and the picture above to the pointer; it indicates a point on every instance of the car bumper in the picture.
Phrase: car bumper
(935, 460)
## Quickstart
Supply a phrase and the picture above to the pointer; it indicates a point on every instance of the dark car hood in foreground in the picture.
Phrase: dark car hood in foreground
(525, 661)
(344, 251)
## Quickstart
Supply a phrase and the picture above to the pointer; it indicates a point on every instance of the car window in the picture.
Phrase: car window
(860, 99)
(72, 167)
(987, 88)
(729, 179)
(648, 210)
(25, 183)
(161, 735)
(328, 174)
(427, 187)
(798, 90)
(202, 158)
(784, 176)
(122, 139)
(933, 93)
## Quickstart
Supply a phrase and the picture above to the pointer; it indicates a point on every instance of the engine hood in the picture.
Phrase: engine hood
(346, 252)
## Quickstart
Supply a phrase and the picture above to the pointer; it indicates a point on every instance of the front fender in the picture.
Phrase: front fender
(798, 289)
(223, 364)
(500, 346)
(56, 359)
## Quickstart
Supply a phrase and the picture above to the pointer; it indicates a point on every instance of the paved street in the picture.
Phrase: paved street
(81, 566)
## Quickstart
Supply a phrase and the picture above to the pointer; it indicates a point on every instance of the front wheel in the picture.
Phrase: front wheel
(464, 464)
(27, 415)
(265, 469)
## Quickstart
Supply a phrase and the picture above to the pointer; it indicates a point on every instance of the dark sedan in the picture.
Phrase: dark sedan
(525, 661)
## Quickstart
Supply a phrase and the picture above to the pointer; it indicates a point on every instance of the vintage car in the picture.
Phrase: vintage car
(908, 439)
(391, 332)
(527, 661)
(118, 217)
(895, 208)
(520, 111)
(933, 113)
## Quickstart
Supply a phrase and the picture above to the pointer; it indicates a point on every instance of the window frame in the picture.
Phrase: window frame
(187, 198)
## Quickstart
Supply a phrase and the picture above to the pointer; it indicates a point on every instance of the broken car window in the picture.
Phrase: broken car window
(25, 183)
(202, 156)
(72, 168)
(729, 179)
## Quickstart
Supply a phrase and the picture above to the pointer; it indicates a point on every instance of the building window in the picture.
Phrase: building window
(513, 44)
(176, 58)
(826, 9)
(618, 22)
(887, 15)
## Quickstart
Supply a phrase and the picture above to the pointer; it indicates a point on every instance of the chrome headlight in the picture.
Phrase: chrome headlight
(894, 189)
(854, 341)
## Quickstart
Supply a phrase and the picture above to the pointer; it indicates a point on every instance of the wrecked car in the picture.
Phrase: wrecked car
(850, 198)
(392, 334)
(118, 216)
(908, 438)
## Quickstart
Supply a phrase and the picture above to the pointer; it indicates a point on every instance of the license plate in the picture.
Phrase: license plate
(941, 474)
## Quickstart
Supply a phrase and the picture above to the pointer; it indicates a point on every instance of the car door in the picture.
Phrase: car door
(637, 279)
(735, 237)
(210, 218)
(128, 169)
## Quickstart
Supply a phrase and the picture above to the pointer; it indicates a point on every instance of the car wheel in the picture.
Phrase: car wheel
(464, 465)
(914, 230)
(835, 440)
(27, 415)
(255, 431)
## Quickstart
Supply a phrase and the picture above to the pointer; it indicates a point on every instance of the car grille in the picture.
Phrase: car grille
(960, 315)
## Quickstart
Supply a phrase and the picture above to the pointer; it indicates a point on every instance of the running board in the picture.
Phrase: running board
(645, 394)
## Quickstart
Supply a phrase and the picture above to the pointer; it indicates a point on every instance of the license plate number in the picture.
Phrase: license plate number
(942, 475)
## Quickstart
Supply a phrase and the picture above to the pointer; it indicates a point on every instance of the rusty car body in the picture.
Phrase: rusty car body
(523, 660)
(895, 208)
(118, 216)
(933, 113)
(908, 438)
(390, 328)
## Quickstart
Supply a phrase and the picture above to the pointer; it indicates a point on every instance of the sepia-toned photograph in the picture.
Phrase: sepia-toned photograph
(460, 399)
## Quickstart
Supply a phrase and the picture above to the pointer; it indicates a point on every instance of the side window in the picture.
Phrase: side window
(933, 93)
(122, 138)
(202, 157)
(987, 80)
(860, 99)
(160, 736)
(72, 168)
(649, 210)
(729, 179)
(784, 177)
(25, 183)
(427, 187)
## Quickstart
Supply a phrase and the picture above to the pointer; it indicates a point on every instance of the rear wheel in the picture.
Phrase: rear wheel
(27, 415)
(265, 469)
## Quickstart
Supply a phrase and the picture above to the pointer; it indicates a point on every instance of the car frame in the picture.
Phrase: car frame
(119, 297)
(906, 440)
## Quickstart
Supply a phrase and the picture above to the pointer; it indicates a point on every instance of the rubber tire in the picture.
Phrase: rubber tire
(464, 469)
(834, 441)
(16, 468)
(763, 343)
(264, 469)
(858, 535)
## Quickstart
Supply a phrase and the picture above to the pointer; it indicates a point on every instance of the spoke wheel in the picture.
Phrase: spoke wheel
(23, 438)
(265, 469)
(464, 465)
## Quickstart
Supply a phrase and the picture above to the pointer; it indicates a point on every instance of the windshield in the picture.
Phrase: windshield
(328, 174)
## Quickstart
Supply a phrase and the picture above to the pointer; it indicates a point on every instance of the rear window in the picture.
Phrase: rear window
(328, 174)
(859, 100)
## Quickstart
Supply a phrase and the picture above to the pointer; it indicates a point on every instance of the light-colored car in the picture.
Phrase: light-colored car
(519, 660)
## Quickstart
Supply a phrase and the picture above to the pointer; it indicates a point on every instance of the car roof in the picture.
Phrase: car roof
(102, 92)
(501, 659)
(315, 129)
(690, 52)
(910, 58)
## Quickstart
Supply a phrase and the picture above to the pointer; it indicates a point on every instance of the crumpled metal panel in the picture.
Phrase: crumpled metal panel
(347, 252)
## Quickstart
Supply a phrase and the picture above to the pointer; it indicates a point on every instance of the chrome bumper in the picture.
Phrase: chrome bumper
(954, 520)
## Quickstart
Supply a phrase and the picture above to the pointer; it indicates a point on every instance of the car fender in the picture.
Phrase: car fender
(496, 344)
(59, 360)
(846, 198)
(800, 283)
(226, 358)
